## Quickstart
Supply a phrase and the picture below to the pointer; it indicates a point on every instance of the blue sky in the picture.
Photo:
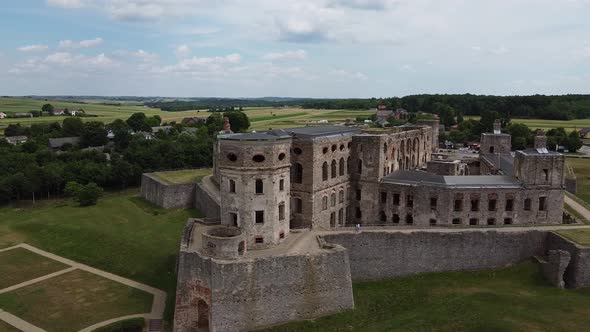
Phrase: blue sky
(302, 48)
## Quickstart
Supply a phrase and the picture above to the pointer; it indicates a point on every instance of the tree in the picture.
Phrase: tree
(522, 136)
(446, 114)
(47, 108)
(238, 120)
(138, 122)
(154, 121)
(72, 127)
(94, 134)
(16, 130)
(85, 195)
(214, 123)
(574, 142)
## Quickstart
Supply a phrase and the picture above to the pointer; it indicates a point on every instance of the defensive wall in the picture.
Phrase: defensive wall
(167, 195)
(257, 291)
(577, 273)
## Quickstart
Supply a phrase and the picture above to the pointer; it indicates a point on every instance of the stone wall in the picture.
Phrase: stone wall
(577, 273)
(166, 195)
(249, 294)
(381, 255)
(571, 185)
(206, 203)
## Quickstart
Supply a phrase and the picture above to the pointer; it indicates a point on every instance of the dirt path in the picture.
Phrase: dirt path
(158, 304)
(577, 206)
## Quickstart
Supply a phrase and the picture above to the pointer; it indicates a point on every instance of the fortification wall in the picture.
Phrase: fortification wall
(206, 203)
(166, 195)
(380, 255)
(577, 274)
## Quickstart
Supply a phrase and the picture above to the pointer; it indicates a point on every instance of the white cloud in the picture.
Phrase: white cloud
(66, 62)
(195, 64)
(33, 48)
(89, 43)
(499, 50)
(66, 3)
(288, 55)
(182, 51)
(342, 74)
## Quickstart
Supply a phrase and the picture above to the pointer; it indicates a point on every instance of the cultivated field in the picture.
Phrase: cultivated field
(261, 118)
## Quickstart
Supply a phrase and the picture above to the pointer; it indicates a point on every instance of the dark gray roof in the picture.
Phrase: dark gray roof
(318, 131)
(60, 141)
(537, 152)
(492, 134)
(272, 135)
(507, 164)
(419, 177)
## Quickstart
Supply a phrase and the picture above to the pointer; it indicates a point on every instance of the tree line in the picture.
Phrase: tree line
(32, 170)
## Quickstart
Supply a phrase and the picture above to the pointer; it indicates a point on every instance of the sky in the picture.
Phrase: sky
(294, 48)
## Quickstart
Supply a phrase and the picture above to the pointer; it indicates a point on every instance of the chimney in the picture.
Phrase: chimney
(497, 127)
(540, 140)
(226, 126)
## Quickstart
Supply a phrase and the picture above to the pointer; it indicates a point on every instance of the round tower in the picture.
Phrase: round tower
(254, 172)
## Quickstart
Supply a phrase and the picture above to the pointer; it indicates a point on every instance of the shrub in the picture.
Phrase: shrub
(85, 195)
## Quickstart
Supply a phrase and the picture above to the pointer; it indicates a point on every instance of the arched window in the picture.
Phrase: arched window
(232, 186)
(325, 203)
(333, 199)
(297, 173)
(360, 167)
(341, 166)
(259, 187)
(341, 196)
(325, 171)
(333, 168)
(385, 148)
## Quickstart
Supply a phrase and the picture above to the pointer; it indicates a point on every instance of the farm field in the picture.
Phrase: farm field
(548, 124)
(512, 299)
(261, 118)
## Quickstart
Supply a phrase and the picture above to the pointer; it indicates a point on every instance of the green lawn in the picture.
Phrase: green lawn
(183, 176)
(512, 299)
(5, 327)
(20, 265)
(123, 234)
(580, 236)
(582, 170)
(73, 301)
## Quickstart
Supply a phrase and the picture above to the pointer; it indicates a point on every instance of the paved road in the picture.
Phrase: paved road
(578, 207)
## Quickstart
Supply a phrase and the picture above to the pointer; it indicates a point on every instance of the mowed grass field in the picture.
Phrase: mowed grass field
(261, 118)
(511, 299)
(581, 168)
(122, 234)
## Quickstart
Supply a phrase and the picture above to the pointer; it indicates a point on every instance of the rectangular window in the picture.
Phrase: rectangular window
(233, 217)
(410, 201)
(458, 205)
(259, 187)
(492, 205)
(298, 205)
(396, 199)
(456, 221)
(395, 219)
(282, 211)
(542, 203)
(475, 205)
(432, 222)
(232, 186)
(473, 222)
(282, 185)
(546, 174)
(358, 194)
(358, 213)
(509, 204)
(383, 197)
(507, 221)
(260, 217)
(259, 239)
(491, 221)
(527, 204)
(433, 203)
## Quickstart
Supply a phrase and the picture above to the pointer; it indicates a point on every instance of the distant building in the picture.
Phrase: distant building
(584, 132)
(58, 143)
(145, 135)
(3, 115)
(192, 120)
(23, 115)
(58, 111)
(14, 140)
(164, 129)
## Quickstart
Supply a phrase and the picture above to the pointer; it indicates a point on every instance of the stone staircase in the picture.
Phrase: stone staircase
(155, 325)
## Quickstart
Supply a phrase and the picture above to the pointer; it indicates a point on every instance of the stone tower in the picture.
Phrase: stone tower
(435, 125)
(496, 142)
(254, 176)
(538, 166)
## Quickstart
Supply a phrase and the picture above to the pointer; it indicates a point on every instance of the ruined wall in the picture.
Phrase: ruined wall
(577, 274)
(165, 195)
(206, 203)
(380, 255)
(248, 294)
